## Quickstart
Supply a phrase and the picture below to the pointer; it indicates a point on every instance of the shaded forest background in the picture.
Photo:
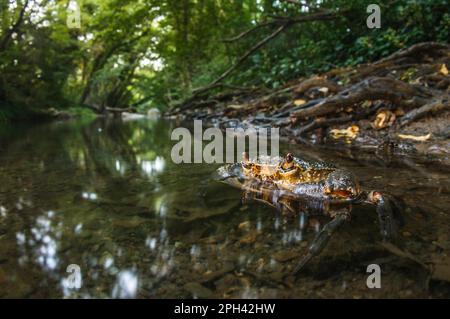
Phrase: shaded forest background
(156, 53)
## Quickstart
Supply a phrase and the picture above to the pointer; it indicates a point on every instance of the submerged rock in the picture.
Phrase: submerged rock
(285, 255)
(225, 269)
(198, 290)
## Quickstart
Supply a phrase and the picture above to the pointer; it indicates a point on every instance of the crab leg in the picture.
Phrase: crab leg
(322, 239)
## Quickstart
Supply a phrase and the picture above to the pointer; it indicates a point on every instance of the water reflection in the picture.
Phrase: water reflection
(106, 196)
(126, 285)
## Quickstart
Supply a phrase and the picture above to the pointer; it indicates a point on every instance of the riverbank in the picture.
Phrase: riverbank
(399, 104)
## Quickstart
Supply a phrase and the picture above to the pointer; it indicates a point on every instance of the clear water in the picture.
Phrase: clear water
(106, 196)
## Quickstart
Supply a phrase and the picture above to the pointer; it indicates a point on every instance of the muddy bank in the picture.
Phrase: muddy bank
(397, 105)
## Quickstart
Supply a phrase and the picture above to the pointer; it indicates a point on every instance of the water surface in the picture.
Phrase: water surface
(106, 196)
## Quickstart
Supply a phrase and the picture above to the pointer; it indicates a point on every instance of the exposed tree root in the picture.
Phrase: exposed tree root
(371, 89)
(326, 122)
(413, 83)
(428, 108)
(317, 81)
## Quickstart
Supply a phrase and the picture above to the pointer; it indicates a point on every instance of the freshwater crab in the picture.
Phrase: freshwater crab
(291, 184)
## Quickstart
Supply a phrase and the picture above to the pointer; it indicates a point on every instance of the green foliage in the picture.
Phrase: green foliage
(153, 53)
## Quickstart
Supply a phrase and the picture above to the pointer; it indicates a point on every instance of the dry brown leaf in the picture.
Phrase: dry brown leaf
(250, 238)
(415, 138)
(349, 132)
(324, 90)
(384, 118)
(236, 106)
(244, 225)
(399, 112)
(299, 102)
(443, 70)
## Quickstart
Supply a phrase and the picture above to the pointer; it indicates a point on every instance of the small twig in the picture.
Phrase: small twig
(249, 31)
(215, 83)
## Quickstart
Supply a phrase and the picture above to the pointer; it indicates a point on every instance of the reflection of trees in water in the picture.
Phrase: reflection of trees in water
(63, 173)
(105, 195)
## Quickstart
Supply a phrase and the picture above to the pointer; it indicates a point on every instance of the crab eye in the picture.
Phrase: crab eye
(289, 158)
(288, 163)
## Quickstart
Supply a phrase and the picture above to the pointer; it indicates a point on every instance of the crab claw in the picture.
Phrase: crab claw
(388, 226)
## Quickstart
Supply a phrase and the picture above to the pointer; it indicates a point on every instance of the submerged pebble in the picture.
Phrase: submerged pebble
(198, 290)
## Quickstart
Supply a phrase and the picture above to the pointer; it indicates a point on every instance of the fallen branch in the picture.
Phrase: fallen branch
(317, 81)
(432, 107)
(378, 88)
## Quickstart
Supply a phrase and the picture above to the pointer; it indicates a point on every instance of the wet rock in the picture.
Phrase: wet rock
(2, 276)
(406, 234)
(113, 271)
(129, 223)
(226, 282)
(276, 276)
(244, 225)
(285, 255)
(198, 290)
(268, 293)
(250, 238)
(199, 267)
(260, 264)
(226, 268)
